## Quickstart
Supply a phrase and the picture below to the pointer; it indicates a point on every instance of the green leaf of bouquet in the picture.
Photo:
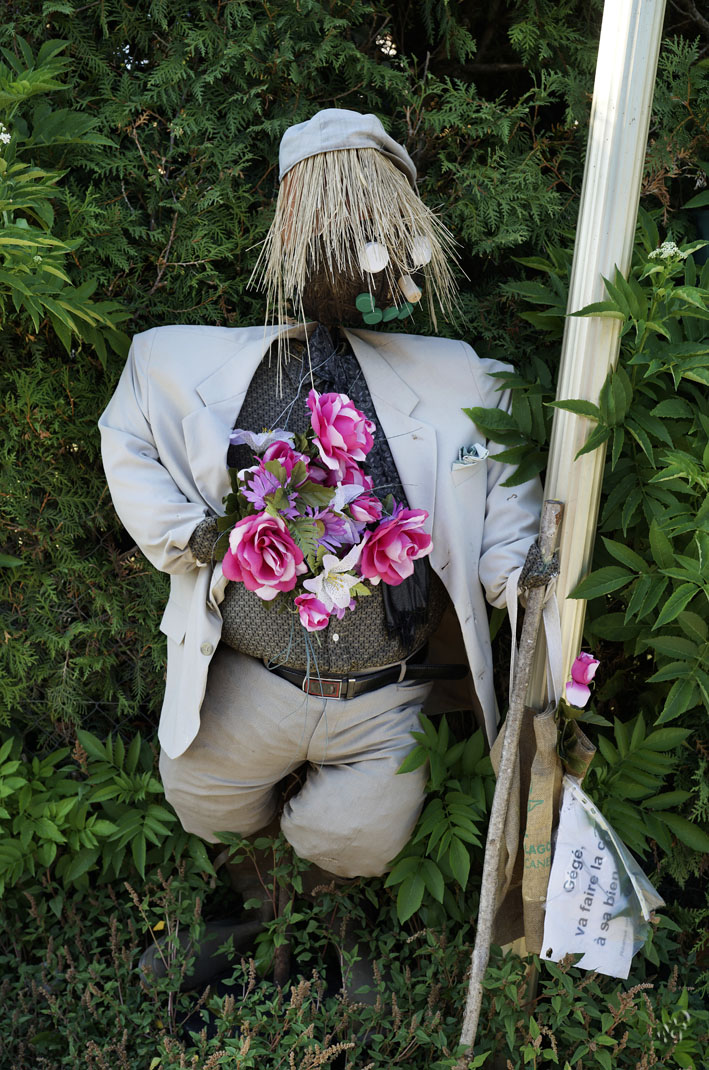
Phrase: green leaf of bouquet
(298, 474)
(279, 499)
(314, 494)
(360, 590)
(306, 532)
(276, 469)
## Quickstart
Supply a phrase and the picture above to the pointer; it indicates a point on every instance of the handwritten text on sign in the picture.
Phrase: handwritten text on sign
(598, 900)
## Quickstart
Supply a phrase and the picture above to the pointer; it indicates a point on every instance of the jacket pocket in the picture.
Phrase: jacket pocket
(465, 473)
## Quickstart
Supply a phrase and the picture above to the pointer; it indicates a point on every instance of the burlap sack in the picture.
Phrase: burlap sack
(532, 816)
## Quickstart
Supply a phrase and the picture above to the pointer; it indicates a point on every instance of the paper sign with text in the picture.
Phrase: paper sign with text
(599, 901)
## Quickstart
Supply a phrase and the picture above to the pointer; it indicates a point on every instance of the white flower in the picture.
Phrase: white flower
(37, 259)
(260, 442)
(667, 250)
(344, 494)
(332, 587)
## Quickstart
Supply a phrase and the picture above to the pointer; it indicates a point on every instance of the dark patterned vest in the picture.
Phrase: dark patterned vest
(378, 632)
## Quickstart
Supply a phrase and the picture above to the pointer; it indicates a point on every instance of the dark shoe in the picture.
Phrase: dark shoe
(356, 969)
(209, 962)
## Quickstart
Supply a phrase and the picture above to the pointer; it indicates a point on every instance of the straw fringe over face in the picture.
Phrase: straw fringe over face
(329, 207)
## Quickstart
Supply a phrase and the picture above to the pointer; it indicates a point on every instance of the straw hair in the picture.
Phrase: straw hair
(329, 206)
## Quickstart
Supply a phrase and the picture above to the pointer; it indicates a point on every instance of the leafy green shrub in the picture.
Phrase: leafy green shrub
(33, 279)
(74, 995)
(75, 820)
(442, 848)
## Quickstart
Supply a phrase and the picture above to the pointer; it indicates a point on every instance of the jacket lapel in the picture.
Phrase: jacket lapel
(412, 442)
(206, 430)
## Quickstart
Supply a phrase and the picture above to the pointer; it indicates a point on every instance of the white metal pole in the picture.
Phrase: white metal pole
(620, 117)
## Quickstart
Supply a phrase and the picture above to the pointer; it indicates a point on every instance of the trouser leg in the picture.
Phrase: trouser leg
(254, 729)
(354, 812)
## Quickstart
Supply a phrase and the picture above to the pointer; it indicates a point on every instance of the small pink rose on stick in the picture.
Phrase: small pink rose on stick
(313, 614)
(583, 671)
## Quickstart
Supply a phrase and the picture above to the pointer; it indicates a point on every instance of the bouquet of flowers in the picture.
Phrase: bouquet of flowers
(304, 522)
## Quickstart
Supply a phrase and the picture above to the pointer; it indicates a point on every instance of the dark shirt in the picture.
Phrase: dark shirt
(364, 638)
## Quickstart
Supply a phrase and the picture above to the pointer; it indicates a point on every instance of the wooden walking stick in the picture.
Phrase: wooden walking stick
(548, 534)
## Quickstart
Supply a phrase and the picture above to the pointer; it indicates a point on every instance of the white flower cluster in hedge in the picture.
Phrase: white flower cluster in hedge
(667, 249)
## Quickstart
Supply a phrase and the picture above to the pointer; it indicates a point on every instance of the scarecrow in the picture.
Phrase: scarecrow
(348, 590)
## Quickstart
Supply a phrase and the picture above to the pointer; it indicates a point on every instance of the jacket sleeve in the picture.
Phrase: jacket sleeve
(148, 502)
(511, 513)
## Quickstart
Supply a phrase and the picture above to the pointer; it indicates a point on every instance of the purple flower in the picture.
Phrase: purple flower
(339, 530)
(339, 613)
(582, 672)
(261, 486)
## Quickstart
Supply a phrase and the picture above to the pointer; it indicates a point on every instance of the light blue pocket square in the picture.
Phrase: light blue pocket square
(468, 456)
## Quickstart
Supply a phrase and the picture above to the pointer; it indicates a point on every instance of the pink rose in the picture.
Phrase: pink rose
(583, 671)
(343, 434)
(283, 452)
(391, 549)
(312, 612)
(366, 509)
(318, 474)
(354, 476)
(263, 556)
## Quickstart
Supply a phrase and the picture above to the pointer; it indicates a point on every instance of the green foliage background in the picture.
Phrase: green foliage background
(138, 180)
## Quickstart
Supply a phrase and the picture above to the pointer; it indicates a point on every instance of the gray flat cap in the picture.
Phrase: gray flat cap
(337, 128)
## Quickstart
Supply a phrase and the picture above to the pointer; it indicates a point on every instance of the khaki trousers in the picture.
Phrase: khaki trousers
(354, 812)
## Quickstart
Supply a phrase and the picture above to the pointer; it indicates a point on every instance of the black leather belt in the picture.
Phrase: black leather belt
(360, 683)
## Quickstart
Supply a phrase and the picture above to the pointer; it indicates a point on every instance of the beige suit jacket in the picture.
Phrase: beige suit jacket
(165, 434)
